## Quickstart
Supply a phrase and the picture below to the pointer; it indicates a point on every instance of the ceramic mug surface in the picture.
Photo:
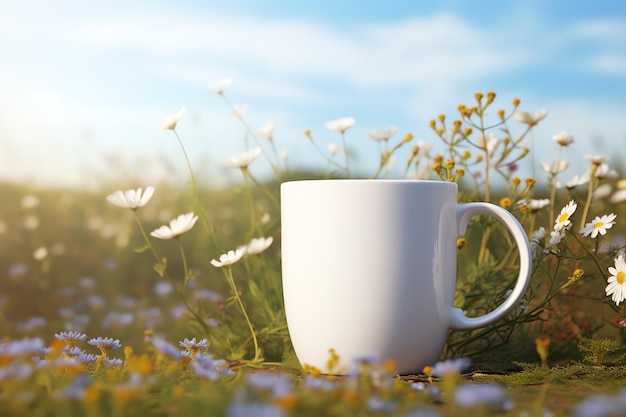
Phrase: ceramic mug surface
(369, 269)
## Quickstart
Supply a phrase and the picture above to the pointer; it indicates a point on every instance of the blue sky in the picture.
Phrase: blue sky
(84, 85)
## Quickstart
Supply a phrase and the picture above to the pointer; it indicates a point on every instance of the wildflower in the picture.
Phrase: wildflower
(536, 239)
(530, 119)
(229, 258)
(602, 192)
(596, 159)
(378, 405)
(221, 85)
(533, 204)
(599, 225)
(452, 366)
(40, 253)
(471, 395)
(279, 384)
(488, 142)
(177, 227)
(112, 361)
(29, 202)
(574, 182)
(22, 347)
(541, 344)
(563, 138)
(166, 348)
(207, 367)
(71, 336)
(258, 245)
(554, 167)
(104, 343)
(340, 125)
(266, 131)
(617, 281)
(562, 219)
(239, 110)
(171, 122)
(603, 171)
(333, 149)
(383, 134)
(619, 196)
(555, 237)
(243, 160)
(131, 199)
(506, 202)
(193, 346)
(162, 288)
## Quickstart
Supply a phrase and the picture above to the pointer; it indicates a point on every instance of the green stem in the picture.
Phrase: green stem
(345, 151)
(193, 178)
(169, 278)
(185, 268)
(233, 286)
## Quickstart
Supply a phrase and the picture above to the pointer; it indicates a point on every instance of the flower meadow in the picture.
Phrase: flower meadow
(165, 299)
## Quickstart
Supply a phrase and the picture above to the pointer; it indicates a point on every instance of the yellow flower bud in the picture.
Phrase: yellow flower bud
(478, 96)
(501, 114)
(442, 118)
(506, 202)
(459, 245)
(516, 180)
(516, 102)
(408, 137)
(530, 181)
(479, 158)
(450, 163)
(466, 155)
(490, 97)
(433, 123)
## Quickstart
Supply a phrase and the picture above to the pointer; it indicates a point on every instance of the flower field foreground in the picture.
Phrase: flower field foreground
(166, 299)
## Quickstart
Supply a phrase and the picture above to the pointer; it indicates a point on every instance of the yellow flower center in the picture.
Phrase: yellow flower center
(621, 277)
(598, 225)
(563, 217)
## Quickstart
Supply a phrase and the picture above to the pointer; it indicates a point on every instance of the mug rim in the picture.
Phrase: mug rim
(436, 183)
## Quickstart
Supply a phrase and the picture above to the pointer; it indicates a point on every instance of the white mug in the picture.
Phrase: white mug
(369, 269)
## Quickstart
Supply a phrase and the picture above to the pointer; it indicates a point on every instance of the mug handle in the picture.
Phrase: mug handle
(458, 319)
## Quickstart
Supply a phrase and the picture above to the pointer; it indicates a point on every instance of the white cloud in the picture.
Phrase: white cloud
(608, 63)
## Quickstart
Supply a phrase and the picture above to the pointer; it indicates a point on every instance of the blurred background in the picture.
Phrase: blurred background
(85, 86)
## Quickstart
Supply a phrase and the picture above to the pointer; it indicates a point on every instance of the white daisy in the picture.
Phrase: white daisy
(258, 245)
(71, 336)
(171, 122)
(383, 134)
(340, 125)
(563, 138)
(221, 85)
(599, 225)
(574, 182)
(266, 131)
(489, 142)
(554, 167)
(603, 171)
(229, 258)
(596, 159)
(105, 343)
(530, 119)
(562, 219)
(177, 227)
(617, 281)
(131, 199)
(193, 346)
(243, 160)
